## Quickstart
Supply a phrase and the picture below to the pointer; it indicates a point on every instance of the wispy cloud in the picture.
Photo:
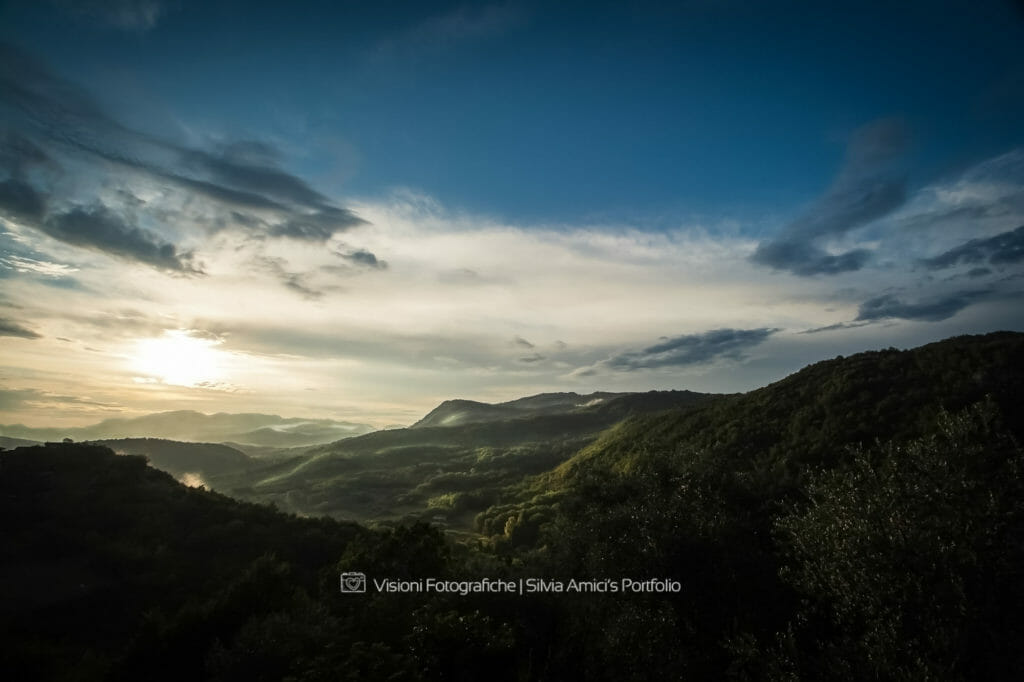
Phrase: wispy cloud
(685, 350)
(56, 124)
(866, 189)
(13, 398)
(9, 327)
(129, 15)
(931, 310)
(38, 267)
(99, 228)
(450, 29)
(1001, 249)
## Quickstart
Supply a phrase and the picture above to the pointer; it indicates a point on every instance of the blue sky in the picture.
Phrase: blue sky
(678, 193)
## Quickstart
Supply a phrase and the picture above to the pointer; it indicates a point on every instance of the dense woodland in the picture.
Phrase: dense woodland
(860, 519)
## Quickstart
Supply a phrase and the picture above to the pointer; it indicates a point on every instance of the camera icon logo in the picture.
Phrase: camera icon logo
(353, 582)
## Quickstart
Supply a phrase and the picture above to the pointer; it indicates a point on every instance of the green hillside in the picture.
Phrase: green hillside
(178, 459)
(447, 473)
(860, 519)
(459, 412)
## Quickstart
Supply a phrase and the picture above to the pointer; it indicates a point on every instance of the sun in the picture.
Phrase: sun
(179, 359)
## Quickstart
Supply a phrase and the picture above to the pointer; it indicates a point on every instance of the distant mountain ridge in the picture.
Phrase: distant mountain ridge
(179, 459)
(453, 462)
(459, 412)
(265, 430)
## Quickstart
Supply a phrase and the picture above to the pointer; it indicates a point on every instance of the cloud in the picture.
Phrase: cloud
(865, 190)
(987, 198)
(9, 327)
(686, 350)
(364, 258)
(129, 15)
(37, 267)
(100, 229)
(21, 201)
(13, 398)
(520, 341)
(806, 260)
(835, 327)
(1004, 248)
(889, 306)
(442, 32)
(46, 111)
(295, 281)
(18, 154)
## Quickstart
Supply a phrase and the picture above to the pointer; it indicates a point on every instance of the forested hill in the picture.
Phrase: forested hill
(179, 459)
(860, 519)
(806, 419)
(110, 569)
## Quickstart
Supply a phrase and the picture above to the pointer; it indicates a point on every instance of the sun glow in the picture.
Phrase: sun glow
(179, 359)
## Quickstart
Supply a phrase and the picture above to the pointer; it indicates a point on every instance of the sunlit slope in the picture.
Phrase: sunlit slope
(454, 471)
(807, 418)
(459, 412)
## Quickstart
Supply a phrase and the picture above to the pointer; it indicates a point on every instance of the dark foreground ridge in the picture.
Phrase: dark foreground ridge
(860, 519)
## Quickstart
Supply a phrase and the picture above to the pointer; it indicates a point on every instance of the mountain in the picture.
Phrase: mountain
(259, 430)
(199, 461)
(859, 519)
(808, 420)
(458, 412)
(11, 443)
(452, 463)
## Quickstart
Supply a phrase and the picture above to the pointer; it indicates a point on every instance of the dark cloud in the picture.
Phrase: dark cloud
(18, 154)
(366, 259)
(225, 195)
(100, 229)
(295, 281)
(227, 168)
(533, 357)
(319, 224)
(971, 210)
(520, 341)
(9, 327)
(1001, 249)
(865, 190)
(441, 32)
(687, 350)
(890, 306)
(806, 260)
(834, 327)
(129, 15)
(237, 175)
(357, 258)
(12, 398)
(21, 201)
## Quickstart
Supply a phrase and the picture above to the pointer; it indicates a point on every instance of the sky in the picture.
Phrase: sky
(357, 210)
